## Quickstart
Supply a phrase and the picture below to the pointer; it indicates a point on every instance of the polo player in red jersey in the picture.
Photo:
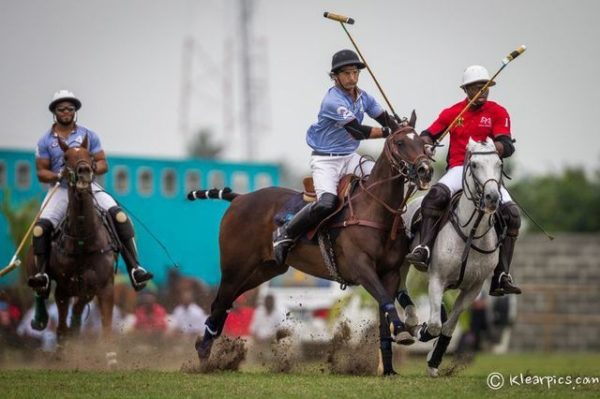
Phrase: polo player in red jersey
(481, 120)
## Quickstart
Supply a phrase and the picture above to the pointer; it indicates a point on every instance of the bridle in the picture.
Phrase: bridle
(404, 169)
(72, 175)
(476, 197)
(403, 166)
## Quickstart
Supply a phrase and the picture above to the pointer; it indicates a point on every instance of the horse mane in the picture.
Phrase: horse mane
(480, 146)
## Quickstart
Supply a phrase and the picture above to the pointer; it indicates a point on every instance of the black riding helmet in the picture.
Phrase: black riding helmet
(344, 58)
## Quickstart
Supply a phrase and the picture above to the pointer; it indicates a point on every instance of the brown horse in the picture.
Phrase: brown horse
(83, 254)
(369, 250)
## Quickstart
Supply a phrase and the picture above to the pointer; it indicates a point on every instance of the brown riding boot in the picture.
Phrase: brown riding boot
(433, 206)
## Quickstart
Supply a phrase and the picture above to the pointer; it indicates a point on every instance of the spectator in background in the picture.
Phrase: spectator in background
(150, 316)
(268, 318)
(10, 314)
(187, 318)
(239, 318)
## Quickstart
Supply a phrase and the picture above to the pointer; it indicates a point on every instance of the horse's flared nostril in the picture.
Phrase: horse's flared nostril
(424, 172)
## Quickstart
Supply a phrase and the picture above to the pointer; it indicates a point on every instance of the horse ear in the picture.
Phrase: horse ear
(490, 142)
(413, 119)
(64, 146)
(471, 143)
(84, 143)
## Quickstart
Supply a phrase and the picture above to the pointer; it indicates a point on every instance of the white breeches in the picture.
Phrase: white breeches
(453, 180)
(327, 171)
(56, 209)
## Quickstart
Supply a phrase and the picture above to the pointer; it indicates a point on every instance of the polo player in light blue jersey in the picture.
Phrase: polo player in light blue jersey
(334, 139)
(49, 163)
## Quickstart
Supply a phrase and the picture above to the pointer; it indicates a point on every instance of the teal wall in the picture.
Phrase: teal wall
(189, 230)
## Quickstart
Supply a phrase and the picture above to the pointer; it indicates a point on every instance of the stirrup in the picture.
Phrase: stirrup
(411, 257)
(139, 283)
(44, 285)
(512, 288)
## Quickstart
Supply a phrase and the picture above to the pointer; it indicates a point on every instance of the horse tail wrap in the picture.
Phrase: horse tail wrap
(214, 193)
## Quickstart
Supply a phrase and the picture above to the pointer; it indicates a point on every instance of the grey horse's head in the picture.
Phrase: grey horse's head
(483, 175)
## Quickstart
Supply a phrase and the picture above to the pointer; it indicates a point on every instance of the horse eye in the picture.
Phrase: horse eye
(473, 165)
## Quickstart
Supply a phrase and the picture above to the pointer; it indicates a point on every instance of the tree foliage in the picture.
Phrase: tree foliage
(568, 202)
(202, 146)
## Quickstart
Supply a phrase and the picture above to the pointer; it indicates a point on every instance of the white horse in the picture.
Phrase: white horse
(465, 251)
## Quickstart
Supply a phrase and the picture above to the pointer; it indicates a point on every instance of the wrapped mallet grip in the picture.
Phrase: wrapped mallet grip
(339, 18)
(514, 54)
(11, 266)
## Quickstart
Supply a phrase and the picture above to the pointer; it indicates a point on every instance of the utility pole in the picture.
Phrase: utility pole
(186, 87)
(246, 9)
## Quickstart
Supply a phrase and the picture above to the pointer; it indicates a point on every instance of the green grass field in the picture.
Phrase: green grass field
(310, 381)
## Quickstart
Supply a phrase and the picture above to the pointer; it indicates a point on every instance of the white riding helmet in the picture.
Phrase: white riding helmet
(474, 74)
(64, 95)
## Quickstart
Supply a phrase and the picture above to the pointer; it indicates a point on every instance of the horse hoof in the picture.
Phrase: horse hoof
(203, 348)
(389, 373)
(39, 325)
(404, 338)
(433, 372)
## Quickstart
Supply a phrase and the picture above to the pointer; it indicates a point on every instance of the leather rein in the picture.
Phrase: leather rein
(404, 170)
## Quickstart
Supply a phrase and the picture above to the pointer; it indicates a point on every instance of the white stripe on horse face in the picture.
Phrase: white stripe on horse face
(411, 136)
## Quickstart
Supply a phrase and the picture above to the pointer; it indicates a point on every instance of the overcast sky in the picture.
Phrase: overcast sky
(123, 58)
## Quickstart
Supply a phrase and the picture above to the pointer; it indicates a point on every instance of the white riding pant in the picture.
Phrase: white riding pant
(453, 180)
(328, 170)
(56, 209)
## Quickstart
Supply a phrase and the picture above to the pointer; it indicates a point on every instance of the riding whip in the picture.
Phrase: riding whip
(505, 61)
(347, 20)
(15, 261)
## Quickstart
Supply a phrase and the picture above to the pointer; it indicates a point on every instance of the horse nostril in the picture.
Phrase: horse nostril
(492, 197)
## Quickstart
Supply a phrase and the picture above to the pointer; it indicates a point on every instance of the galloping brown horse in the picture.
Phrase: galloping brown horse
(368, 252)
(83, 255)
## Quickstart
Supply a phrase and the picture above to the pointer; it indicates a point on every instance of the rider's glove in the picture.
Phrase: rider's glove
(61, 174)
(385, 131)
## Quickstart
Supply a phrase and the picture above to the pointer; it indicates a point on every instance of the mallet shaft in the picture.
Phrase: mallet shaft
(14, 261)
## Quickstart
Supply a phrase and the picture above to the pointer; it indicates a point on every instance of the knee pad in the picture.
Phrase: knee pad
(509, 212)
(436, 200)
(325, 205)
(122, 223)
(42, 234)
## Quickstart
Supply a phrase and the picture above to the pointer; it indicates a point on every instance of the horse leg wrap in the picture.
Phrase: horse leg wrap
(391, 315)
(40, 318)
(385, 345)
(435, 357)
(404, 299)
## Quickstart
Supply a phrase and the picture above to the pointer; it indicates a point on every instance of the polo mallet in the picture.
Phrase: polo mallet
(505, 62)
(347, 20)
(15, 261)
